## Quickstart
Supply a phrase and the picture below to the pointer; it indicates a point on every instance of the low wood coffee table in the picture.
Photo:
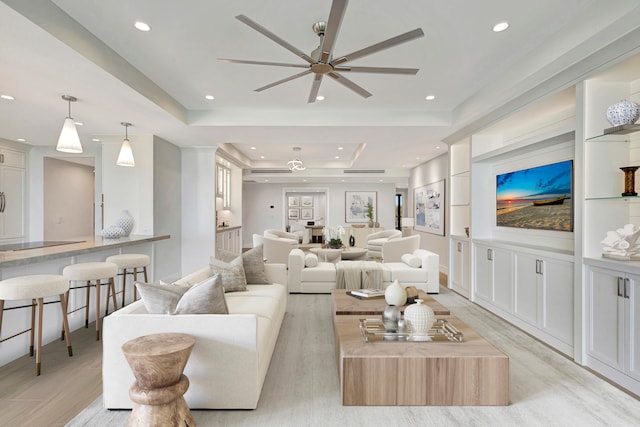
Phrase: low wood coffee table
(346, 304)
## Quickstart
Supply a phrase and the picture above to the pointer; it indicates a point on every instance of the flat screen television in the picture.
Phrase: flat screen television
(536, 198)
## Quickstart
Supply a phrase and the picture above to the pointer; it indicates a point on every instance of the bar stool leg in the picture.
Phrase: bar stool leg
(1, 314)
(65, 322)
(39, 343)
(98, 309)
(33, 322)
(87, 302)
(66, 307)
(124, 285)
(111, 293)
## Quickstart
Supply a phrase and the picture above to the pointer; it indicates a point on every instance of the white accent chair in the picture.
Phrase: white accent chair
(393, 249)
(275, 250)
(376, 240)
(279, 234)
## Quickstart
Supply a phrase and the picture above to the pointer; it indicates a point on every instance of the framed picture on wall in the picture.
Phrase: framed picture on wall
(429, 206)
(356, 205)
(294, 214)
(306, 202)
(306, 213)
(294, 201)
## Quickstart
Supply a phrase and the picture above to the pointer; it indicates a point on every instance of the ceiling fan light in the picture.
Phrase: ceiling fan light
(125, 158)
(69, 141)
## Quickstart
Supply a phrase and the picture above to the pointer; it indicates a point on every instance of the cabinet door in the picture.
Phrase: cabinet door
(526, 287)
(12, 186)
(460, 268)
(632, 321)
(12, 158)
(502, 278)
(604, 310)
(483, 273)
(557, 299)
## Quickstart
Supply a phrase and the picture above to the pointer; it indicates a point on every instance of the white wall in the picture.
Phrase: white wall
(265, 204)
(429, 172)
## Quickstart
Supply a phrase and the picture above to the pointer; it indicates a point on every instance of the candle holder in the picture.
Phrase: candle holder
(629, 180)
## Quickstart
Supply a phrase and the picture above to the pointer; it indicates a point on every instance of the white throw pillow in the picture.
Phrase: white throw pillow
(412, 260)
(206, 297)
(311, 260)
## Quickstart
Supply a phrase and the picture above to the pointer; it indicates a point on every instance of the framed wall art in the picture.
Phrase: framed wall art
(294, 201)
(306, 213)
(356, 205)
(306, 201)
(429, 208)
(294, 213)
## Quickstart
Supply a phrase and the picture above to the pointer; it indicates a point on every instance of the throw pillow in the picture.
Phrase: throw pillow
(311, 260)
(226, 256)
(233, 277)
(253, 263)
(160, 298)
(412, 260)
(206, 297)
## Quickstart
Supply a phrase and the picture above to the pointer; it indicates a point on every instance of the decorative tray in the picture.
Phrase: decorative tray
(373, 330)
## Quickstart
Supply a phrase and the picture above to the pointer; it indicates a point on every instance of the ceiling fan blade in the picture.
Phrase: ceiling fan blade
(277, 64)
(381, 70)
(338, 8)
(262, 30)
(315, 88)
(351, 85)
(394, 41)
(270, 85)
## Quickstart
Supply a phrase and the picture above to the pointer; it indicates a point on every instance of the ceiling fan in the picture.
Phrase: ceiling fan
(321, 62)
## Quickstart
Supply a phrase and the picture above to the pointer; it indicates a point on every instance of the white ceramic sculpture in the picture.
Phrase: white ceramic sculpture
(622, 242)
(395, 294)
(420, 318)
(623, 113)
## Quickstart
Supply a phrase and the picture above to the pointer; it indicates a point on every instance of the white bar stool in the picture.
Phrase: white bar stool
(36, 288)
(137, 263)
(93, 273)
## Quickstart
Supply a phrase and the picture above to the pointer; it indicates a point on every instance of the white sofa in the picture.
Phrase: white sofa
(392, 250)
(232, 353)
(376, 240)
(322, 278)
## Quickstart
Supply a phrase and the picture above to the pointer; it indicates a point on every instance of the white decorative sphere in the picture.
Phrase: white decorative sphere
(420, 319)
(623, 113)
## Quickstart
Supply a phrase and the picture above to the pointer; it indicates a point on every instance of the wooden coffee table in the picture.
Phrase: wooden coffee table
(472, 372)
(346, 304)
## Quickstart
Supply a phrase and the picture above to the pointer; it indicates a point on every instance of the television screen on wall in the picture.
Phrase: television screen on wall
(536, 198)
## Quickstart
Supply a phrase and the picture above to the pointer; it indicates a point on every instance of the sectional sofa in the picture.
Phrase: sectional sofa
(420, 269)
(231, 357)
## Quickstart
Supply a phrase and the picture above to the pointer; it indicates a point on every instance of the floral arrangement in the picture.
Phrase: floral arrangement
(622, 242)
(333, 236)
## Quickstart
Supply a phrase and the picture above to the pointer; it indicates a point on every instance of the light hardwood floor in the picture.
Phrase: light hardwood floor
(301, 388)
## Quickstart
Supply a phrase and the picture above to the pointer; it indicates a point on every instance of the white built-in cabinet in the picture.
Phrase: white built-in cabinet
(460, 217)
(613, 313)
(229, 239)
(494, 276)
(460, 266)
(12, 194)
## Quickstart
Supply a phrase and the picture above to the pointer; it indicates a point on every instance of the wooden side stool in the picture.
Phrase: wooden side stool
(36, 288)
(130, 264)
(93, 273)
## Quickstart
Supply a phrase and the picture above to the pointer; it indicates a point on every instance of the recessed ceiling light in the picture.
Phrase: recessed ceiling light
(304, 180)
(95, 139)
(253, 148)
(319, 98)
(417, 158)
(381, 180)
(78, 123)
(266, 180)
(209, 97)
(500, 27)
(340, 148)
(7, 97)
(262, 157)
(21, 140)
(437, 147)
(142, 26)
(430, 97)
(337, 157)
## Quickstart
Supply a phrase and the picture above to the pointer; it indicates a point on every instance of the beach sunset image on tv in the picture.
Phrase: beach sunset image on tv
(537, 198)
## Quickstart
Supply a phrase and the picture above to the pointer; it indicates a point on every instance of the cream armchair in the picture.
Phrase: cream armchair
(393, 250)
(275, 250)
(376, 240)
(279, 234)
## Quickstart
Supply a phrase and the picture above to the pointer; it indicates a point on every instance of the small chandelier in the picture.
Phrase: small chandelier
(125, 158)
(69, 141)
(296, 164)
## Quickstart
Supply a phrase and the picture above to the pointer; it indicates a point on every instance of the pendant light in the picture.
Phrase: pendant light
(69, 141)
(125, 158)
(296, 164)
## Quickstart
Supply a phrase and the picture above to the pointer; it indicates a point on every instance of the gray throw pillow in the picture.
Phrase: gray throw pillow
(226, 256)
(206, 297)
(233, 277)
(253, 263)
(160, 298)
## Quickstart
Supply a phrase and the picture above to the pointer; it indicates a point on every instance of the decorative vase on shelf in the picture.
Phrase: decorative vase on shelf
(623, 113)
(125, 222)
(376, 224)
(630, 180)
(420, 319)
(112, 232)
(395, 294)
(370, 223)
(352, 241)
